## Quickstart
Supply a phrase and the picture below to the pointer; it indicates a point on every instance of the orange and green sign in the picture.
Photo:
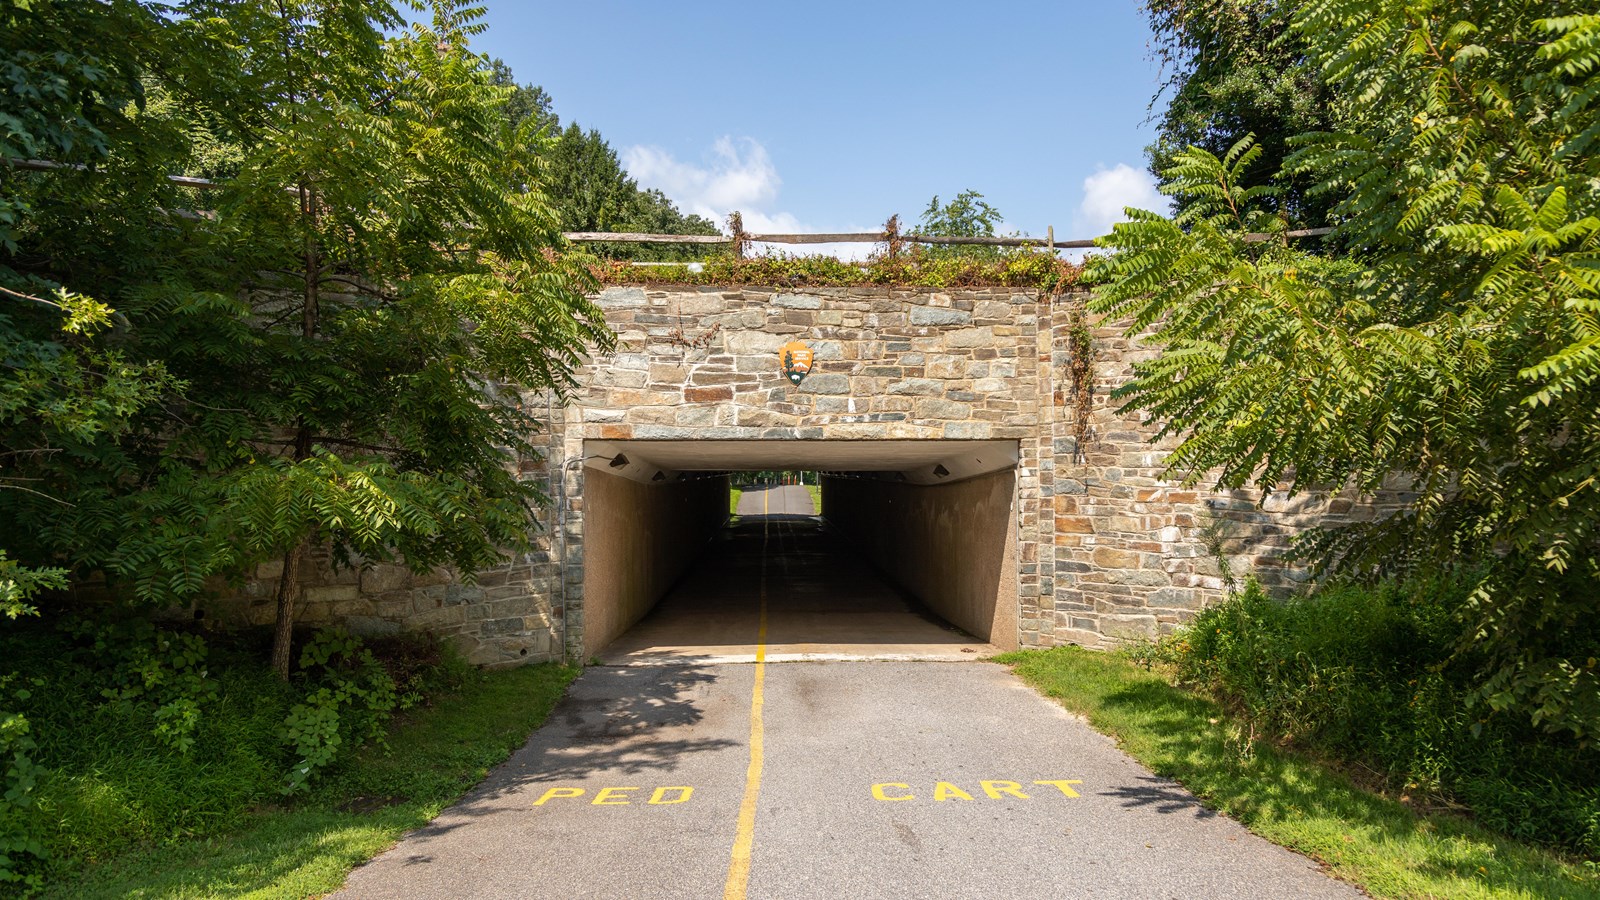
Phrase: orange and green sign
(796, 358)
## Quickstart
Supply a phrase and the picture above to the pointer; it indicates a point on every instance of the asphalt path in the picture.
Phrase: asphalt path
(826, 780)
(776, 500)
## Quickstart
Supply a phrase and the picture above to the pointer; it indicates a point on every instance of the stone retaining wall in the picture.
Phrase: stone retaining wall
(1105, 551)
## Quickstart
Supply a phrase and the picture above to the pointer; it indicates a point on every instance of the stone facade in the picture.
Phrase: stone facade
(1106, 551)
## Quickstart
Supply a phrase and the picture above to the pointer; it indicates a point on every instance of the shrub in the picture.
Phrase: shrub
(1371, 675)
(133, 732)
(349, 700)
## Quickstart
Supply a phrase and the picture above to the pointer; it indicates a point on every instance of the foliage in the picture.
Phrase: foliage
(69, 73)
(1452, 351)
(588, 188)
(1368, 676)
(297, 370)
(1027, 269)
(350, 705)
(106, 769)
(1387, 849)
(306, 846)
(1236, 68)
(967, 215)
(163, 670)
(21, 850)
(19, 585)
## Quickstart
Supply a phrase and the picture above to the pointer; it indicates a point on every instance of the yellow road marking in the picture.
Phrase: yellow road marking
(744, 837)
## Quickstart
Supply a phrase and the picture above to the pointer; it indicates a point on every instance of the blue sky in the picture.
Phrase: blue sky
(830, 116)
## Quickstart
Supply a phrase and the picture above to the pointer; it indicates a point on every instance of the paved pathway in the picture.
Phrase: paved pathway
(832, 606)
(826, 780)
(777, 500)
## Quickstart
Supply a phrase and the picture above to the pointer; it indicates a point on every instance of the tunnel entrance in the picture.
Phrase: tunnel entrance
(912, 554)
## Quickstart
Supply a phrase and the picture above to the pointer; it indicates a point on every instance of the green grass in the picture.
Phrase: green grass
(307, 849)
(1363, 838)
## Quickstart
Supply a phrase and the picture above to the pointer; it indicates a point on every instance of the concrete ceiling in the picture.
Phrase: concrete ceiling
(920, 461)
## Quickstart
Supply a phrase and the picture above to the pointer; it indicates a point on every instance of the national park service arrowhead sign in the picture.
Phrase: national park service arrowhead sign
(796, 360)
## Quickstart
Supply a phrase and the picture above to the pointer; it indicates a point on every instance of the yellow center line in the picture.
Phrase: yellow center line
(745, 835)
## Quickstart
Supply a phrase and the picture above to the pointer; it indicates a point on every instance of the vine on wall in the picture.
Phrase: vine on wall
(1080, 371)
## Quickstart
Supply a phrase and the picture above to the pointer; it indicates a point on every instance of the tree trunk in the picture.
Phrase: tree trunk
(283, 633)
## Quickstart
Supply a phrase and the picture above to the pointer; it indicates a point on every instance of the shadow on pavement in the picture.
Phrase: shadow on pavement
(620, 721)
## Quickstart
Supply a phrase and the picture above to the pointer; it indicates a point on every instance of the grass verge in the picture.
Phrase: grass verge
(307, 849)
(1368, 840)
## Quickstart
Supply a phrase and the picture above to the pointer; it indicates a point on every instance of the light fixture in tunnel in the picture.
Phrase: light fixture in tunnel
(618, 461)
(940, 470)
(659, 476)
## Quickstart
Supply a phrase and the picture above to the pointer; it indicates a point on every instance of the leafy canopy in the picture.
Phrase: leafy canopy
(338, 354)
(1236, 68)
(1453, 347)
(966, 215)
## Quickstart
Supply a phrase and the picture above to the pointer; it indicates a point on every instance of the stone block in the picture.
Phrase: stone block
(491, 627)
(382, 579)
(621, 298)
(707, 394)
(701, 305)
(1107, 558)
(927, 315)
(826, 384)
(329, 593)
(695, 416)
(968, 431)
(1180, 598)
(971, 337)
(1081, 637)
(942, 409)
(1130, 627)
(991, 309)
(1142, 577)
(945, 366)
(797, 301)
(755, 343)
(926, 387)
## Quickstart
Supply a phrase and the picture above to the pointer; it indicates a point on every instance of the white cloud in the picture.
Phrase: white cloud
(1108, 191)
(737, 174)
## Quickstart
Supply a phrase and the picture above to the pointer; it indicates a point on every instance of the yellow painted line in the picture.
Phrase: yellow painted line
(745, 835)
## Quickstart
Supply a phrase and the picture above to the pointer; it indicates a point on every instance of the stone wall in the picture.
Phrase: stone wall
(701, 363)
(1104, 551)
(1132, 555)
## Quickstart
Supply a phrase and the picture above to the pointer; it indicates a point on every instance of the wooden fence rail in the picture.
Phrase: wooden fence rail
(856, 237)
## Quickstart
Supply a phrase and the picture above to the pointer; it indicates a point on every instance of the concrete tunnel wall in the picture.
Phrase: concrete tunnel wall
(953, 546)
(639, 539)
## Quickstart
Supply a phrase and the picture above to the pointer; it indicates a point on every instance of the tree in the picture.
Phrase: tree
(349, 336)
(1236, 68)
(1456, 344)
(64, 389)
(589, 188)
(526, 102)
(965, 216)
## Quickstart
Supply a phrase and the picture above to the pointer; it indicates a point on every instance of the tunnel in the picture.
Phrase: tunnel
(912, 554)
